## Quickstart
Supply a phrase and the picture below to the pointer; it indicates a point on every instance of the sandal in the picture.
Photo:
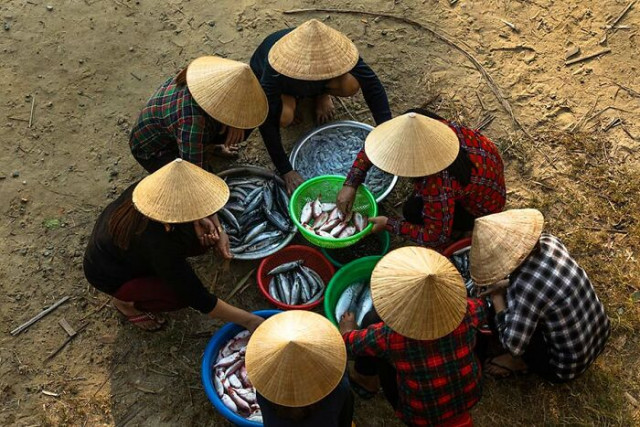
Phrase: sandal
(508, 371)
(144, 317)
(362, 392)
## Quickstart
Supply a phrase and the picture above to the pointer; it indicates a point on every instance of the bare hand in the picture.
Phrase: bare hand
(292, 180)
(348, 322)
(497, 288)
(379, 223)
(206, 231)
(345, 198)
(234, 137)
(223, 246)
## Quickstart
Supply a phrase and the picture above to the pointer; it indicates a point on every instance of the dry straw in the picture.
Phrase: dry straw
(296, 358)
(228, 91)
(313, 51)
(501, 242)
(418, 293)
(180, 192)
(412, 145)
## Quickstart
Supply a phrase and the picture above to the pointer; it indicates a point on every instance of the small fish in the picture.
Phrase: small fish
(336, 214)
(263, 244)
(359, 221)
(273, 289)
(278, 220)
(256, 200)
(329, 225)
(347, 232)
(328, 207)
(241, 404)
(323, 233)
(320, 221)
(217, 383)
(247, 394)
(234, 381)
(335, 232)
(228, 361)
(229, 403)
(284, 288)
(307, 213)
(365, 306)
(267, 196)
(253, 194)
(344, 302)
(296, 290)
(231, 369)
(283, 268)
(255, 231)
(256, 417)
(316, 207)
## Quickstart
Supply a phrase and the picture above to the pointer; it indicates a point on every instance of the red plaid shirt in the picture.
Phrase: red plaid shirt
(437, 379)
(485, 194)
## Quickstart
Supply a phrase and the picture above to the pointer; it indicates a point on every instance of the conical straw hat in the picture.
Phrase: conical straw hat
(228, 91)
(412, 145)
(418, 293)
(501, 242)
(295, 358)
(313, 51)
(180, 192)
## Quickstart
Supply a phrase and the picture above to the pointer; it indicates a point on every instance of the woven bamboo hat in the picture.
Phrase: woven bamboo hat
(313, 51)
(296, 358)
(228, 91)
(501, 242)
(418, 293)
(412, 145)
(180, 192)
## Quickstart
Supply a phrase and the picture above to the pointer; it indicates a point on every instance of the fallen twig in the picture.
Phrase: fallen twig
(584, 118)
(494, 88)
(344, 106)
(624, 12)
(613, 123)
(136, 77)
(485, 121)
(241, 282)
(510, 25)
(516, 48)
(64, 344)
(587, 57)
(17, 119)
(39, 316)
(33, 105)
(628, 90)
(608, 230)
(103, 305)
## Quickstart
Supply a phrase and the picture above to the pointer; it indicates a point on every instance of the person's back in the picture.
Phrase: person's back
(570, 314)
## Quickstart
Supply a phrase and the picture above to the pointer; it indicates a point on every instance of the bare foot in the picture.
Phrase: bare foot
(324, 109)
(505, 365)
(146, 321)
(368, 382)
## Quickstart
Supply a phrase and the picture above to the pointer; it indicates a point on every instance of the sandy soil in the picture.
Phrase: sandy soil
(87, 67)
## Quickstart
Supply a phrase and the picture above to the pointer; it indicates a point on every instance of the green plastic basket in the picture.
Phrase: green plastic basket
(328, 187)
(355, 271)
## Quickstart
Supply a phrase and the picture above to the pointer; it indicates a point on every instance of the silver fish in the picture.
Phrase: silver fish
(234, 381)
(335, 232)
(328, 207)
(320, 221)
(344, 302)
(316, 207)
(296, 290)
(273, 289)
(278, 220)
(229, 403)
(307, 213)
(288, 266)
(284, 288)
(255, 231)
(256, 200)
(329, 225)
(228, 361)
(359, 221)
(217, 383)
(347, 232)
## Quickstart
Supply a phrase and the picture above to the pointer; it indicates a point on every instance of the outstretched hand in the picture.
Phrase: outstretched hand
(347, 322)
(379, 223)
(292, 180)
(345, 198)
(206, 231)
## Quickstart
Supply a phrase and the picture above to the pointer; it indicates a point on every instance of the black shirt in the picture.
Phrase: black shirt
(155, 252)
(275, 85)
(335, 410)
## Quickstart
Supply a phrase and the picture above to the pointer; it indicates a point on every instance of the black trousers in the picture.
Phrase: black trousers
(537, 356)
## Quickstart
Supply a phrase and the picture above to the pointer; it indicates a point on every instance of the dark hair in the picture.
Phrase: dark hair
(181, 78)
(125, 223)
(462, 166)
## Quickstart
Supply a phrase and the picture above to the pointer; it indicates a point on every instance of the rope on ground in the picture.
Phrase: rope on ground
(492, 85)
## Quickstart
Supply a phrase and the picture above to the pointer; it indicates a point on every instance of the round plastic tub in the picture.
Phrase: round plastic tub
(219, 339)
(328, 186)
(458, 246)
(312, 259)
(357, 270)
(384, 238)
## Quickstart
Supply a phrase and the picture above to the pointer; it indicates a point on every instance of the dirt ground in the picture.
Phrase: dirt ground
(85, 68)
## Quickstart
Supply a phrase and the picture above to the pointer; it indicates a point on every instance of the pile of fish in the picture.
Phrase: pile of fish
(256, 217)
(460, 260)
(356, 299)
(231, 381)
(295, 284)
(332, 152)
(326, 220)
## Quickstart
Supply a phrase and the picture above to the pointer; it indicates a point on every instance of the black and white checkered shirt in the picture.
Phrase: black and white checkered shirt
(551, 291)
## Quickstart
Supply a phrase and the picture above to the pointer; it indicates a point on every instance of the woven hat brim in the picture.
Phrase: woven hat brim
(418, 293)
(228, 91)
(180, 192)
(412, 146)
(296, 358)
(501, 242)
(313, 52)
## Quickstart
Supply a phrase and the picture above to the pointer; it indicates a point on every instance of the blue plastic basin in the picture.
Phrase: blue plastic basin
(219, 339)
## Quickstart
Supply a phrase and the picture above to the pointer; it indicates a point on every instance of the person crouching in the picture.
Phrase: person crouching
(421, 337)
(548, 316)
(296, 361)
